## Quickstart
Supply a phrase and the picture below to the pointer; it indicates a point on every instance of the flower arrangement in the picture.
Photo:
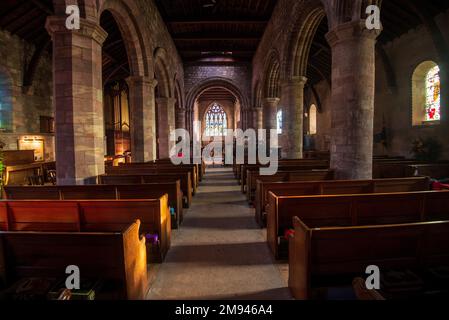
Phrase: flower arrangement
(428, 149)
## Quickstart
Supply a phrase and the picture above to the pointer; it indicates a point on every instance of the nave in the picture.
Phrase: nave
(220, 252)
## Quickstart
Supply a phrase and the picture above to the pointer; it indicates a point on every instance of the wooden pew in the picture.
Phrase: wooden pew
(435, 171)
(200, 167)
(285, 174)
(335, 255)
(104, 192)
(118, 258)
(89, 216)
(136, 178)
(385, 169)
(283, 165)
(351, 210)
(241, 168)
(144, 169)
(183, 175)
(333, 187)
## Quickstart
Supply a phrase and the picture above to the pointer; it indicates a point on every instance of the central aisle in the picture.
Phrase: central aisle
(219, 252)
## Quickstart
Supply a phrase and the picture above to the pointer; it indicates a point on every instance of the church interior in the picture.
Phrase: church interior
(93, 206)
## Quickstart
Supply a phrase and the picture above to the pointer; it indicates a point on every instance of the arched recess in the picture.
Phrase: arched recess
(301, 40)
(6, 101)
(134, 38)
(162, 73)
(272, 76)
(180, 115)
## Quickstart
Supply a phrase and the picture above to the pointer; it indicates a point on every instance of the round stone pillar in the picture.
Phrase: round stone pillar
(353, 81)
(181, 118)
(270, 108)
(293, 97)
(166, 125)
(143, 119)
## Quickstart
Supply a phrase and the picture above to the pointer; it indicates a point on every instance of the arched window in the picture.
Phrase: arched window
(312, 119)
(426, 89)
(5, 104)
(279, 121)
(216, 122)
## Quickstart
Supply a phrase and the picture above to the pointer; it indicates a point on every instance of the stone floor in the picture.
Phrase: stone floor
(219, 252)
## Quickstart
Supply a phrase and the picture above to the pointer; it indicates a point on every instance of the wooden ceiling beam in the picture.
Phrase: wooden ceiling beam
(43, 6)
(218, 22)
(215, 38)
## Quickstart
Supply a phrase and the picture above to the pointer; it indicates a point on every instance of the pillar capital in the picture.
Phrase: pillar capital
(349, 31)
(149, 82)
(271, 101)
(296, 81)
(166, 101)
(56, 25)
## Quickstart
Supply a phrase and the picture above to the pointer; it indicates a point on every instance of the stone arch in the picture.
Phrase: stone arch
(272, 76)
(216, 82)
(301, 40)
(178, 92)
(257, 95)
(127, 17)
(6, 101)
(162, 73)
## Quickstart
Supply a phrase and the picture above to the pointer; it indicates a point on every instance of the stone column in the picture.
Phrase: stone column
(293, 97)
(143, 118)
(259, 118)
(78, 101)
(181, 118)
(166, 124)
(270, 107)
(353, 82)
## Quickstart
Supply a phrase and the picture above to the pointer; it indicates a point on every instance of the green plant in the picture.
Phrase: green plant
(428, 149)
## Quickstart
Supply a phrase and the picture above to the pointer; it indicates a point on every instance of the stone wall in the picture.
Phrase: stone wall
(27, 108)
(237, 73)
(394, 107)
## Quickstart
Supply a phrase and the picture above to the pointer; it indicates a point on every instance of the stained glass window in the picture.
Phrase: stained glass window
(279, 121)
(433, 94)
(216, 122)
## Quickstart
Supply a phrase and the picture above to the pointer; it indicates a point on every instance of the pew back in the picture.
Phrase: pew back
(136, 179)
(89, 216)
(352, 210)
(333, 187)
(100, 192)
(295, 174)
(345, 252)
(119, 258)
